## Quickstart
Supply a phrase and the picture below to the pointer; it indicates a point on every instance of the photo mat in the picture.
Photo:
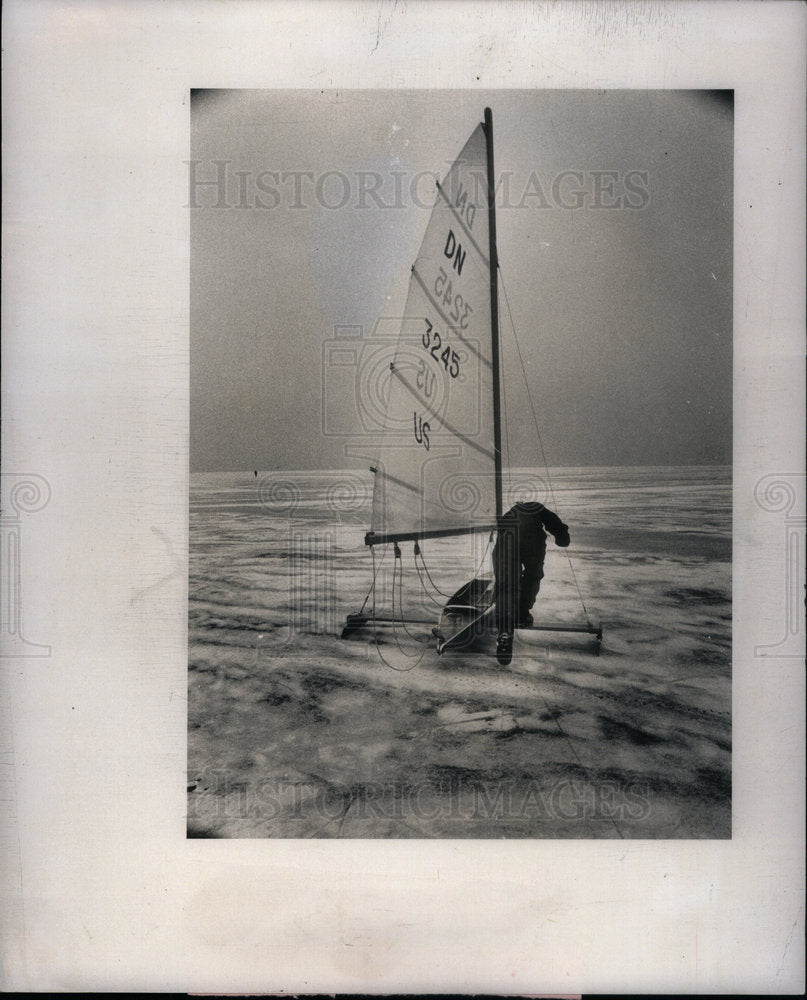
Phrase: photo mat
(104, 890)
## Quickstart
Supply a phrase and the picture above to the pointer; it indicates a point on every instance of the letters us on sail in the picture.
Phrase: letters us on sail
(435, 472)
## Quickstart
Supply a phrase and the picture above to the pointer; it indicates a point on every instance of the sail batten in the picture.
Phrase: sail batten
(436, 472)
(438, 309)
(428, 408)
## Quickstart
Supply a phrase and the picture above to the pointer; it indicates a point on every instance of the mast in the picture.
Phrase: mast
(494, 314)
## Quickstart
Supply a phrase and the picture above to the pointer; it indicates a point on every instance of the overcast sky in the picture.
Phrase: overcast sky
(615, 247)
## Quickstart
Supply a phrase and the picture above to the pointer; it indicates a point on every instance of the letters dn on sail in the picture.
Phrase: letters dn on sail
(453, 248)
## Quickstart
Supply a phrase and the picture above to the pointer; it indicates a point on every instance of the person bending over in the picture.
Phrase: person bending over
(518, 565)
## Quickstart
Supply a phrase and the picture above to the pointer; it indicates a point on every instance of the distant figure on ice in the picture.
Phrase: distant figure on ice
(518, 563)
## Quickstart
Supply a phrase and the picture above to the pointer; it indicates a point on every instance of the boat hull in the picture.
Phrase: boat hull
(466, 616)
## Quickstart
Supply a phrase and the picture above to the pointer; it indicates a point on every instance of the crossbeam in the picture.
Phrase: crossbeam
(358, 620)
(545, 627)
(578, 628)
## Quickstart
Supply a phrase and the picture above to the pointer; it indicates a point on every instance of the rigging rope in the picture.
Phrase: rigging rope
(554, 716)
(503, 382)
(399, 563)
(384, 660)
(477, 571)
(419, 552)
(435, 602)
(540, 441)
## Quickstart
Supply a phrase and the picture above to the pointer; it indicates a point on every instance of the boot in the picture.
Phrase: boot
(504, 648)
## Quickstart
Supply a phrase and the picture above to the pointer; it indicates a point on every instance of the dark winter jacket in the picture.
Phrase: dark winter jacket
(530, 518)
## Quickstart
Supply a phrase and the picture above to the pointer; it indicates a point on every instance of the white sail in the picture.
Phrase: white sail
(436, 469)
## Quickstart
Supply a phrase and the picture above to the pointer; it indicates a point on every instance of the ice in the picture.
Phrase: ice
(294, 732)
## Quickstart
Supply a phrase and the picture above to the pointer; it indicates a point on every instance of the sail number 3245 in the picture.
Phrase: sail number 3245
(433, 342)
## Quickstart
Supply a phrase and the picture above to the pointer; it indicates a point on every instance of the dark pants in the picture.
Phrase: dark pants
(519, 570)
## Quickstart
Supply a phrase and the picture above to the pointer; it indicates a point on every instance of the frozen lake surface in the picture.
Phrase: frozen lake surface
(294, 732)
